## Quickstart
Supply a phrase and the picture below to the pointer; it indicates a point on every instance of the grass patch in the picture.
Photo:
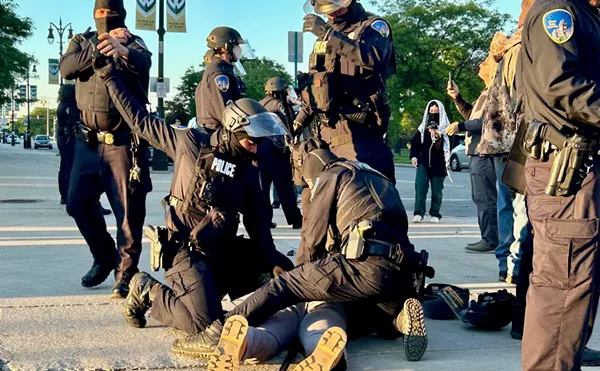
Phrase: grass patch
(402, 159)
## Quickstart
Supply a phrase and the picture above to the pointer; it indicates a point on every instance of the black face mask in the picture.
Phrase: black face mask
(434, 117)
(108, 24)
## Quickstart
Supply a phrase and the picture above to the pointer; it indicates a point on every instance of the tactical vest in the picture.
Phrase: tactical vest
(335, 82)
(92, 94)
(211, 183)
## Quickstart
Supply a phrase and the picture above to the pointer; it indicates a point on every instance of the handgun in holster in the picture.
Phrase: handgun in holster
(573, 158)
(159, 240)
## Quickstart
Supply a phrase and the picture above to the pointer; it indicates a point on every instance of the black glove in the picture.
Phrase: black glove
(316, 25)
(103, 66)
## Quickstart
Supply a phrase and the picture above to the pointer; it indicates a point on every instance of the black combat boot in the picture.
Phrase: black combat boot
(411, 324)
(591, 357)
(96, 275)
(120, 289)
(202, 344)
(139, 299)
(328, 352)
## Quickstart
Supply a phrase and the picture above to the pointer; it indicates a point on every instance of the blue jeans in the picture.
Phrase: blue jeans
(512, 224)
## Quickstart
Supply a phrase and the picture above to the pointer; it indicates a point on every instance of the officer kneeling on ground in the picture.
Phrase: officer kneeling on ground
(213, 182)
(357, 227)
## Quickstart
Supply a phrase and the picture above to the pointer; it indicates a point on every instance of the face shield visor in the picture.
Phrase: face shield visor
(268, 125)
(323, 7)
(244, 50)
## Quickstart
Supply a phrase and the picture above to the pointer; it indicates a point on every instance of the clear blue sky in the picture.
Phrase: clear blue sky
(264, 22)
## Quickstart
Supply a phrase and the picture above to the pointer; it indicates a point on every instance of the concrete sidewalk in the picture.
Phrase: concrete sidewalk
(49, 322)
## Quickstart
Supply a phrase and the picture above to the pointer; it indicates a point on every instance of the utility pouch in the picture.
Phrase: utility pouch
(322, 91)
(533, 142)
(208, 192)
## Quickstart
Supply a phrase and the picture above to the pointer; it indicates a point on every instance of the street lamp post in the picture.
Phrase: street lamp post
(27, 138)
(61, 30)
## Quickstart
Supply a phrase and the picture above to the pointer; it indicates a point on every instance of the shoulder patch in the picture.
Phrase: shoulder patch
(559, 25)
(141, 43)
(382, 27)
(222, 82)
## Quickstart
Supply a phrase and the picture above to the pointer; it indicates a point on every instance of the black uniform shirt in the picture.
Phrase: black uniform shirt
(67, 115)
(244, 194)
(341, 196)
(219, 85)
(560, 64)
(98, 112)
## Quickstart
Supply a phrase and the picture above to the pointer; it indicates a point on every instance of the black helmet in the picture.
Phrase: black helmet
(224, 38)
(275, 84)
(248, 117)
(491, 311)
(299, 152)
(208, 56)
(314, 163)
(435, 307)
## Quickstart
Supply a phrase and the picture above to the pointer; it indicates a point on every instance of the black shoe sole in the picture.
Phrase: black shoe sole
(411, 324)
(480, 251)
(328, 353)
(97, 281)
(232, 345)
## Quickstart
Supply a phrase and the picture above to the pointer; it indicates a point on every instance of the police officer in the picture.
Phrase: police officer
(219, 83)
(274, 163)
(104, 158)
(68, 118)
(345, 88)
(559, 79)
(361, 251)
(215, 181)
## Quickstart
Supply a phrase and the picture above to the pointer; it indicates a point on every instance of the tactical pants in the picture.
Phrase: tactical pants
(331, 279)
(563, 293)
(275, 167)
(422, 187)
(485, 197)
(196, 285)
(306, 321)
(105, 168)
(66, 147)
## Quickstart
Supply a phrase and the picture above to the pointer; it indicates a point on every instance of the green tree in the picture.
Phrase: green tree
(432, 39)
(14, 63)
(258, 72)
(38, 121)
(183, 105)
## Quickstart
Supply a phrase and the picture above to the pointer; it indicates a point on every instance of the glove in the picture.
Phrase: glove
(103, 66)
(315, 25)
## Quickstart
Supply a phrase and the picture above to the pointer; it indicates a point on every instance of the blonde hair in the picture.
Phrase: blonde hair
(525, 7)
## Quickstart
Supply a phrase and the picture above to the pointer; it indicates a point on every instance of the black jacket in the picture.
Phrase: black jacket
(239, 192)
(343, 195)
(98, 111)
(219, 85)
(560, 79)
(429, 154)
(68, 117)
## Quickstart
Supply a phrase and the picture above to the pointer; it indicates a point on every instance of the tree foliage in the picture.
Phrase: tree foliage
(432, 39)
(38, 122)
(183, 105)
(14, 63)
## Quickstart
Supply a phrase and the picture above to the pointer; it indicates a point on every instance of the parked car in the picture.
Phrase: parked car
(42, 141)
(9, 139)
(458, 158)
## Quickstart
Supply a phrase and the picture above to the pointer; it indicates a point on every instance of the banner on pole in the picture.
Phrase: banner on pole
(53, 78)
(33, 92)
(145, 15)
(176, 16)
(22, 91)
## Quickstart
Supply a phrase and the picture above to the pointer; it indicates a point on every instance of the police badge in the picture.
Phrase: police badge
(222, 82)
(558, 24)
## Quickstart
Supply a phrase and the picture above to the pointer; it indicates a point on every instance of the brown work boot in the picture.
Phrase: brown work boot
(232, 345)
(411, 324)
(328, 353)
